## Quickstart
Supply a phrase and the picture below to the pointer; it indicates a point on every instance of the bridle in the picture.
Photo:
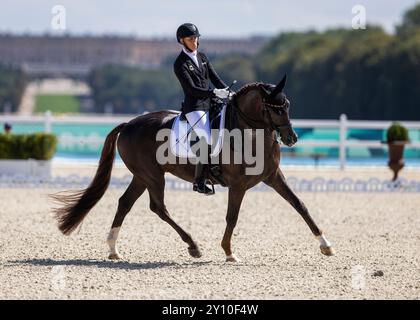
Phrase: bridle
(253, 123)
(266, 112)
(267, 107)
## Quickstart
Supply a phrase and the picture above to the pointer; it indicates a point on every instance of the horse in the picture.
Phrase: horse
(256, 106)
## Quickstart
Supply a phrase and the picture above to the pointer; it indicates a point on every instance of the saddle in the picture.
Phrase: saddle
(182, 138)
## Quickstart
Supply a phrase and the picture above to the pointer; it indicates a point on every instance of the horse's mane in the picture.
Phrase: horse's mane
(251, 86)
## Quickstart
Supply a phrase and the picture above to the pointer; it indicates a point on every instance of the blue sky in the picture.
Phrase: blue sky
(215, 18)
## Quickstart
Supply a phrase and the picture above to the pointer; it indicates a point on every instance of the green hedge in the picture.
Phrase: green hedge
(39, 146)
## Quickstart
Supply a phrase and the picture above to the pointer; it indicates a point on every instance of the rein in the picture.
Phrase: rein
(248, 120)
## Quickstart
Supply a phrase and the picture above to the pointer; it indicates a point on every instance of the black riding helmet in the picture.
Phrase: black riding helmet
(186, 30)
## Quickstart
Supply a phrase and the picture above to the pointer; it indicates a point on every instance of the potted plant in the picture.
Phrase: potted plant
(397, 137)
(27, 155)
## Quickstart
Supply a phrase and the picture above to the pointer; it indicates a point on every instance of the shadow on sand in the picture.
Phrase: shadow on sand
(107, 264)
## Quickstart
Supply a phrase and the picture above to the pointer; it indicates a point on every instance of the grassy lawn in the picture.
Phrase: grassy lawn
(57, 103)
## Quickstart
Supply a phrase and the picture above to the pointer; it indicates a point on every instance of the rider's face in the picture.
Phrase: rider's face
(191, 42)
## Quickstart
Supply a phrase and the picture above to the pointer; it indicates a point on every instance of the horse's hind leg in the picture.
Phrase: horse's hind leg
(278, 182)
(156, 193)
(126, 201)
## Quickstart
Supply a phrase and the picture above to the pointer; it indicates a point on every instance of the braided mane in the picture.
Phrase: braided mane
(251, 86)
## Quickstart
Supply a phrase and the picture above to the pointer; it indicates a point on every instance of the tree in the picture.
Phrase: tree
(411, 18)
(235, 67)
(133, 90)
(12, 85)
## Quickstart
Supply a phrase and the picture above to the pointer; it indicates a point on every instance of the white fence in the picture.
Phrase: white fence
(343, 124)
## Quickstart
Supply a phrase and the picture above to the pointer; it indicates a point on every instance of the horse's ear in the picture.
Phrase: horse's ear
(279, 88)
(265, 92)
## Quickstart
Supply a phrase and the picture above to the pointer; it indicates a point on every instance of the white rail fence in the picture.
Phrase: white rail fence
(342, 124)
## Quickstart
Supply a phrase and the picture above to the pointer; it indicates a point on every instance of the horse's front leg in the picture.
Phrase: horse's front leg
(278, 182)
(234, 204)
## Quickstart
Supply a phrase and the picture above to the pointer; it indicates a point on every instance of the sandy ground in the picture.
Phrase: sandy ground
(376, 238)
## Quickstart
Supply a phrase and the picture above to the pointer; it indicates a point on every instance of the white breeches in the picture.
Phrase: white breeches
(200, 121)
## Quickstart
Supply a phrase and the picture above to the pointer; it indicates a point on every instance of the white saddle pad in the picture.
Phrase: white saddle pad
(182, 137)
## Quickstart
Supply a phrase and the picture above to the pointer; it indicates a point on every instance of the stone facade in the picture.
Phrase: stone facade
(77, 55)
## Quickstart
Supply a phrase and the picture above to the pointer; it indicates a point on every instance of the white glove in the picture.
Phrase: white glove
(221, 93)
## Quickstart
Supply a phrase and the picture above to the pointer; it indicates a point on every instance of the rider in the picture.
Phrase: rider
(194, 72)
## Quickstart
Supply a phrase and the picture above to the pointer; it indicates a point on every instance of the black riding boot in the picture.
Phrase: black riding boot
(200, 180)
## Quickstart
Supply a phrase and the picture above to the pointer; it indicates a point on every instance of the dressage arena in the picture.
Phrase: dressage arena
(375, 236)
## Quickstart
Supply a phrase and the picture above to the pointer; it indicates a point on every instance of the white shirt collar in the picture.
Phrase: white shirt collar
(192, 55)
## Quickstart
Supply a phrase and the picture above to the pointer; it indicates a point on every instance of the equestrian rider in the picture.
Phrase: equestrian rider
(194, 72)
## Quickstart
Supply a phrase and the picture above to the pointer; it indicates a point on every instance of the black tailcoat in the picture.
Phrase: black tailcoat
(195, 81)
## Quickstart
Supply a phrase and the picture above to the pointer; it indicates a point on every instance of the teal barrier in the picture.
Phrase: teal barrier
(85, 141)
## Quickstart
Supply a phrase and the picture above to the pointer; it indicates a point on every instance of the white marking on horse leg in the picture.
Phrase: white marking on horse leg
(232, 258)
(323, 241)
(325, 245)
(112, 240)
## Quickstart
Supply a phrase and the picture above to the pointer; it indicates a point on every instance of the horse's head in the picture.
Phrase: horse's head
(275, 108)
(262, 105)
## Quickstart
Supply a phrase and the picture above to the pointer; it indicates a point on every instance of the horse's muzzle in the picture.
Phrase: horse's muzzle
(291, 139)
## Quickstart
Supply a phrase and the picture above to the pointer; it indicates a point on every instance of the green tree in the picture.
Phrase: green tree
(133, 90)
(411, 21)
(235, 67)
(12, 85)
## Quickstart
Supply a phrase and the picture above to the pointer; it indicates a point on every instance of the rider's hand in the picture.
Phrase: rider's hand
(221, 93)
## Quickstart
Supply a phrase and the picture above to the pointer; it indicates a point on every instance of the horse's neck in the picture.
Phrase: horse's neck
(246, 118)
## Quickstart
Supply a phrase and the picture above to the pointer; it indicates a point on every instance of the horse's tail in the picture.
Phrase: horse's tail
(76, 205)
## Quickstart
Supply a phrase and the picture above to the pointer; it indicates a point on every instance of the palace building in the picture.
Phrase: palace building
(67, 55)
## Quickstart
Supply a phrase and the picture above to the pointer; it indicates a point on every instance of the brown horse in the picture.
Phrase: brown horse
(256, 106)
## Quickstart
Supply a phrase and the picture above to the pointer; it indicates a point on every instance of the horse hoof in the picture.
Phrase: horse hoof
(194, 252)
(232, 258)
(328, 251)
(114, 256)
